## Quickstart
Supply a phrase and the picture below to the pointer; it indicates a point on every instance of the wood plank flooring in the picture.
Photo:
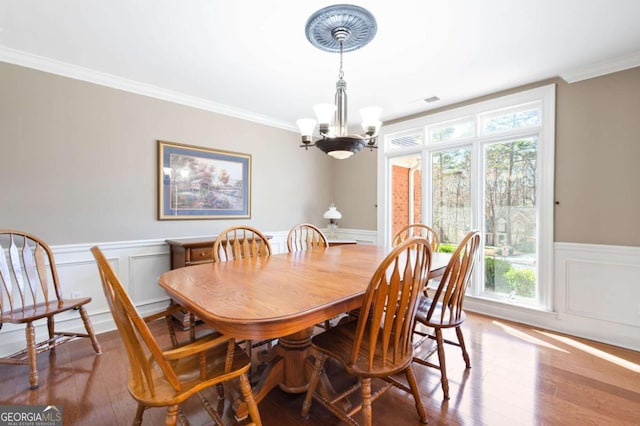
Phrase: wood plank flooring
(520, 376)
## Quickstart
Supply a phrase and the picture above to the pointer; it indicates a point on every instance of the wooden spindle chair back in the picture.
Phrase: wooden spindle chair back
(30, 290)
(158, 377)
(388, 309)
(444, 309)
(455, 281)
(417, 230)
(379, 343)
(306, 236)
(136, 336)
(239, 242)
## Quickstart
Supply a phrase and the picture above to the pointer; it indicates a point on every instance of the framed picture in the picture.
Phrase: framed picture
(202, 183)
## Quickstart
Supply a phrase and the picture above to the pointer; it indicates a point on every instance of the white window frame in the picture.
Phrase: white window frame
(546, 165)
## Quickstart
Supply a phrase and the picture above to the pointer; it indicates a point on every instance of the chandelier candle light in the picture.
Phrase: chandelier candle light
(340, 28)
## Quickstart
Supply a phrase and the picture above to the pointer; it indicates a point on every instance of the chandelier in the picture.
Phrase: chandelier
(340, 28)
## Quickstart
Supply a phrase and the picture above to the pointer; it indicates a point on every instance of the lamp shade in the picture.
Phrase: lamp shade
(324, 113)
(306, 126)
(332, 213)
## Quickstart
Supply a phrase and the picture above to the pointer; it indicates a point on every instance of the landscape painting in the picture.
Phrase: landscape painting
(202, 183)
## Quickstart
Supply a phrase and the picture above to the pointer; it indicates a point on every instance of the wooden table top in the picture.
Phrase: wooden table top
(268, 297)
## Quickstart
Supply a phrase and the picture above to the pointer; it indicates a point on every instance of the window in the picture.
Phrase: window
(486, 166)
(451, 194)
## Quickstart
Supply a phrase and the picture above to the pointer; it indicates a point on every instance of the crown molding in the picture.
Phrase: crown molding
(41, 63)
(598, 69)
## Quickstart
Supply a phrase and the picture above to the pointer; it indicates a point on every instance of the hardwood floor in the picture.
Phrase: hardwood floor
(520, 376)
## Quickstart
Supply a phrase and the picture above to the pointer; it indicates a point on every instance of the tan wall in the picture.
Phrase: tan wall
(79, 162)
(597, 180)
(354, 188)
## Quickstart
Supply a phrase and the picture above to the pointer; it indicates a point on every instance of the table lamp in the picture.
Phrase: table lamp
(332, 214)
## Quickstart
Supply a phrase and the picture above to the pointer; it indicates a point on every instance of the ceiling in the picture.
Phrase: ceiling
(251, 59)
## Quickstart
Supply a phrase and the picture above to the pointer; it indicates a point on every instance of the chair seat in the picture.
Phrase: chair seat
(188, 371)
(42, 310)
(337, 342)
(437, 320)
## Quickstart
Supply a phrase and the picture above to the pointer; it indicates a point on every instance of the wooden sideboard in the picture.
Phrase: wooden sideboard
(191, 251)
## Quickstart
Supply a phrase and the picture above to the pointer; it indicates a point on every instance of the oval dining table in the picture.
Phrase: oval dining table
(280, 296)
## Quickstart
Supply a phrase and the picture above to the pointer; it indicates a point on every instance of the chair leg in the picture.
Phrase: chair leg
(442, 363)
(137, 421)
(172, 415)
(92, 335)
(465, 354)
(413, 384)
(31, 353)
(252, 406)
(366, 401)
(313, 383)
(172, 331)
(51, 328)
(192, 329)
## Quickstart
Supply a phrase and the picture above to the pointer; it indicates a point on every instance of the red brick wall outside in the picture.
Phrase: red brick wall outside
(400, 198)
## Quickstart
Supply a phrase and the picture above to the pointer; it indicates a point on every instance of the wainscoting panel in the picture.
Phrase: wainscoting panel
(618, 299)
(142, 267)
(597, 292)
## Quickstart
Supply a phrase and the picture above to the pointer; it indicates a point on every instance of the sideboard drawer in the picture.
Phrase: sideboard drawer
(199, 254)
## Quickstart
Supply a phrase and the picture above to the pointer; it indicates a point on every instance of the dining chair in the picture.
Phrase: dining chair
(417, 230)
(166, 378)
(303, 237)
(31, 291)
(420, 230)
(306, 236)
(379, 343)
(444, 309)
(239, 242)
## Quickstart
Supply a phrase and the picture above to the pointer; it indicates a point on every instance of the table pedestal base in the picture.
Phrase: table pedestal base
(289, 367)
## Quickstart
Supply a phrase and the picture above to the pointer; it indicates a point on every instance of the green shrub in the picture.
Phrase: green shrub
(447, 248)
(523, 281)
(495, 271)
